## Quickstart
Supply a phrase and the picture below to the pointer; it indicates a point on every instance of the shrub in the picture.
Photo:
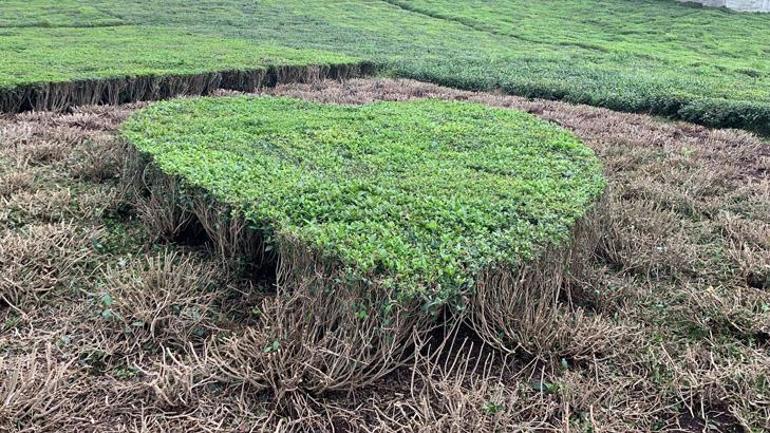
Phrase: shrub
(147, 63)
(723, 113)
(418, 197)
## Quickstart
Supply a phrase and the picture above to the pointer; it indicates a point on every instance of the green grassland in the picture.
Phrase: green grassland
(420, 195)
(705, 65)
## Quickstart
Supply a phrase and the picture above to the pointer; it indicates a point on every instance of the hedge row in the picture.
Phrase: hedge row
(657, 56)
(419, 197)
(61, 67)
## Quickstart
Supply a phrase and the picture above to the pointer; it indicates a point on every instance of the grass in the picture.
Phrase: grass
(65, 13)
(667, 328)
(704, 65)
(421, 195)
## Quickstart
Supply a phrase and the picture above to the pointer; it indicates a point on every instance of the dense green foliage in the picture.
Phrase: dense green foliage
(420, 195)
(59, 13)
(707, 65)
(65, 54)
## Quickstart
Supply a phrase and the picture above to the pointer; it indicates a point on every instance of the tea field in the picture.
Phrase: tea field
(708, 66)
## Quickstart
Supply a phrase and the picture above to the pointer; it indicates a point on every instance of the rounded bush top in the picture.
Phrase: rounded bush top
(419, 195)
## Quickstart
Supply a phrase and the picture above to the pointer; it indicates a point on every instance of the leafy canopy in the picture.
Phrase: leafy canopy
(418, 195)
(68, 54)
(706, 65)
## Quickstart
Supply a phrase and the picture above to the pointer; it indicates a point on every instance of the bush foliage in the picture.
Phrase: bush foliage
(32, 57)
(420, 196)
(705, 65)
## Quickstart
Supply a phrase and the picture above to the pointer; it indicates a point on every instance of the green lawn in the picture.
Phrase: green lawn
(421, 196)
(706, 65)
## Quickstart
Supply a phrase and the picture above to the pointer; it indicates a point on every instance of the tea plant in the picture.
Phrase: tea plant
(420, 196)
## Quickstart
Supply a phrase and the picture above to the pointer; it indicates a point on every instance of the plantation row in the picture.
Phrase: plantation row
(400, 208)
(65, 66)
(660, 56)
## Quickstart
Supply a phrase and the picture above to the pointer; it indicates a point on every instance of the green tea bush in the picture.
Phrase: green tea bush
(419, 198)
(723, 113)
(654, 56)
(67, 66)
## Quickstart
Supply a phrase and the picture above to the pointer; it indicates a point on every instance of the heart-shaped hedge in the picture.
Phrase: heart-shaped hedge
(418, 196)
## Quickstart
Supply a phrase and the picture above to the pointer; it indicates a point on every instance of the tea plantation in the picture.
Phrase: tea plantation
(709, 66)
(419, 196)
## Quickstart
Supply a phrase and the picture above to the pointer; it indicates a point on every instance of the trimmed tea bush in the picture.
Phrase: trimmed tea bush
(417, 198)
(662, 57)
(61, 67)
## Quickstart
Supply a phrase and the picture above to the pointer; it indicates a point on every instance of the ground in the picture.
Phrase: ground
(109, 328)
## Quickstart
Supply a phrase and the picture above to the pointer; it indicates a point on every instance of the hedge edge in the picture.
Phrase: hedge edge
(519, 309)
(334, 316)
(59, 96)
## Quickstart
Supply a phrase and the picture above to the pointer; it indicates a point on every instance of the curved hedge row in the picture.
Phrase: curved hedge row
(419, 197)
(617, 92)
(646, 56)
